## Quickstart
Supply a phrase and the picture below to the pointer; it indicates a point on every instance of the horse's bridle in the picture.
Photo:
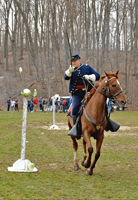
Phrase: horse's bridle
(107, 90)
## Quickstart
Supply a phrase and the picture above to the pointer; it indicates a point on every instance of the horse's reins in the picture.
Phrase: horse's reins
(112, 97)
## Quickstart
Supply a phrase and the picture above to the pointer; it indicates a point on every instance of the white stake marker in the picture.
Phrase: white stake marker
(23, 165)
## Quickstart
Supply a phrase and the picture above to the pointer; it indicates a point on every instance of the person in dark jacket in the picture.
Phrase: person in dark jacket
(8, 104)
(56, 104)
(28, 106)
(41, 104)
(45, 105)
(16, 105)
(78, 74)
(48, 106)
(31, 104)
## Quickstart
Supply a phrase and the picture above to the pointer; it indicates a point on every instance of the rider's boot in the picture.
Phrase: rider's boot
(111, 125)
(76, 129)
(73, 131)
(74, 117)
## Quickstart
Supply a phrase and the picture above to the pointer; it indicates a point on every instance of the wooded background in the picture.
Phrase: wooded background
(36, 35)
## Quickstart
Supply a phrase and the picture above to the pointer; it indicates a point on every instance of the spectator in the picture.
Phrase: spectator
(28, 107)
(110, 107)
(31, 104)
(56, 104)
(48, 105)
(41, 104)
(51, 107)
(8, 104)
(61, 106)
(16, 105)
(45, 105)
(35, 103)
(64, 105)
(12, 105)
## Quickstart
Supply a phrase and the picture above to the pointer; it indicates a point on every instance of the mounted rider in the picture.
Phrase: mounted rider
(78, 74)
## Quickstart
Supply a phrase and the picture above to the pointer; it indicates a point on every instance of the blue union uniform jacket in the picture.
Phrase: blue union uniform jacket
(76, 78)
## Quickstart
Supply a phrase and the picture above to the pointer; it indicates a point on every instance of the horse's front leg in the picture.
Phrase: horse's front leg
(87, 162)
(97, 155)
(75, 146)
(84, 152)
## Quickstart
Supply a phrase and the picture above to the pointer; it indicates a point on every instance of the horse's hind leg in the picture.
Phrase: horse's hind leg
(75, 146)
(97, 155)
(84, 153)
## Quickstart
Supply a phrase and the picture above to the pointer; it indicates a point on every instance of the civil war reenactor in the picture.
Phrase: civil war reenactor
(78, 74)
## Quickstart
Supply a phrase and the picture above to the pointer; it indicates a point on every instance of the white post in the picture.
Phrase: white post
(53, 105)
(23, 165)
(23, 145)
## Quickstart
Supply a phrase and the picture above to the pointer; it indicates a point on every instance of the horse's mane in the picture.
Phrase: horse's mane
(91, 93)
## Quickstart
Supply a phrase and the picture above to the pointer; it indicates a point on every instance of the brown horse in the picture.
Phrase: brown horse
(93, 118)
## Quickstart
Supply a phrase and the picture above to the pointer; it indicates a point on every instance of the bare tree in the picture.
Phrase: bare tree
(136, 37)
(44, 33)
(7, 10)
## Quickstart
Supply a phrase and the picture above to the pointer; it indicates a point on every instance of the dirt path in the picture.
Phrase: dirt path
(63, 126)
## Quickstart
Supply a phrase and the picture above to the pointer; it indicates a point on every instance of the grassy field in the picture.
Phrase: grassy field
(115, 175)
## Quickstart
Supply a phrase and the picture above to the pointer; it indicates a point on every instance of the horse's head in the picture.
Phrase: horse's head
(113, 88)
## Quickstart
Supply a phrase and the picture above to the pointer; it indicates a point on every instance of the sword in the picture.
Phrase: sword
(69, 47)
(82, 64)
(88, 60)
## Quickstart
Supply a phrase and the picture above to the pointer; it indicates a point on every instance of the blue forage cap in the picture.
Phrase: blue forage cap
(75, 57)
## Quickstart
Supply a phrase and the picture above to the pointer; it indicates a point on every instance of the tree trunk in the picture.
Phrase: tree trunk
(6, 34)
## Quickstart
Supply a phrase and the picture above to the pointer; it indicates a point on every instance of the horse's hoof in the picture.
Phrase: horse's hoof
(88, 172)
(86, 164)
(82, 163)
(76, 167)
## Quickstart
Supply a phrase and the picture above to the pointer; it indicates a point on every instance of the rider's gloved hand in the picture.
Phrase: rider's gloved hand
(69, 71)
(91, 77)
(86, 77)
